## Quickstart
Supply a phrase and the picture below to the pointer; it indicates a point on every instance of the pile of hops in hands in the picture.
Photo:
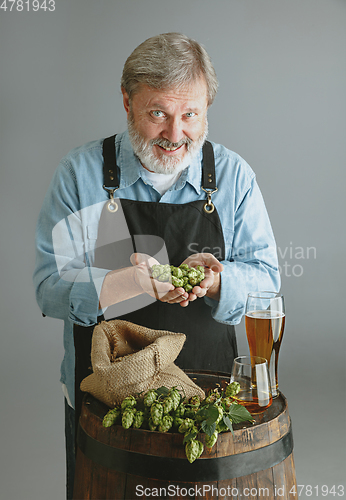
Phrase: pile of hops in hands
(181, 277)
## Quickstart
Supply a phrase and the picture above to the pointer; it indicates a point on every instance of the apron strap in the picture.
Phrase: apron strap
(110, 168)
(208, 176)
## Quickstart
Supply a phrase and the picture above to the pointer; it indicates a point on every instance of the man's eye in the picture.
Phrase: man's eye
(190, 114)
(158, 114)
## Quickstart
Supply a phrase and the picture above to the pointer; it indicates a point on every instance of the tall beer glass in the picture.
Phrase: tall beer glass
(264, 324)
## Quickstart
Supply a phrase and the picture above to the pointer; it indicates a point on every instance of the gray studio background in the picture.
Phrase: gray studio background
(281, 105)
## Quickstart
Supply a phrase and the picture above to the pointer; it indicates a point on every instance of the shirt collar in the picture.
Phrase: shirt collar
(130, 166)
(127, 161)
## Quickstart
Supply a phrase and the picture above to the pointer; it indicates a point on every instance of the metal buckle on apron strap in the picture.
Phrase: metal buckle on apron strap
(209, 207)
(112, 205)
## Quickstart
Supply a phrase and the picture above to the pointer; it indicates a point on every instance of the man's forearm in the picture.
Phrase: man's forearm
(118, 286)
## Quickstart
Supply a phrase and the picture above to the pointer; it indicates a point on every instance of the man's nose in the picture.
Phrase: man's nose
(173, 130)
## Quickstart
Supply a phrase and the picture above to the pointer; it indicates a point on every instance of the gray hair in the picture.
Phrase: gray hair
(169, 60)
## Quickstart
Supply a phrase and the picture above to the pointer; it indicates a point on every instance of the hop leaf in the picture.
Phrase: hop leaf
(239, 413)
(227, 423)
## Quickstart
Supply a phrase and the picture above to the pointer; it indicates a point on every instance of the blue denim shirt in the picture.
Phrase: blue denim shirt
(68, 286)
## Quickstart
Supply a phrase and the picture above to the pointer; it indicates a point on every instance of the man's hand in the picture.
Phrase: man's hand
(163, 291)
(211, 285)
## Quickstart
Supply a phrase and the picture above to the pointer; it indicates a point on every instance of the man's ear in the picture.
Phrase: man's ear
(126, 101)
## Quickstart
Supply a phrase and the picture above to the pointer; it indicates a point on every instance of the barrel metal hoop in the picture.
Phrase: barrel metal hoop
(178, 469)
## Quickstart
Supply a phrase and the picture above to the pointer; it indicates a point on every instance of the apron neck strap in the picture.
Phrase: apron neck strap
(110, 169)
(208, 175)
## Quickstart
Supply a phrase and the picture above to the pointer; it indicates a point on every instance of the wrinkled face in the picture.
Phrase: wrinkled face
(167, 127)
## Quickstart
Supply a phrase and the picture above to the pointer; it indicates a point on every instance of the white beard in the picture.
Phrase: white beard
(165, 165)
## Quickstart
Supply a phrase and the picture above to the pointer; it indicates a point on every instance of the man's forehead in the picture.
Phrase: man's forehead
(193, 95)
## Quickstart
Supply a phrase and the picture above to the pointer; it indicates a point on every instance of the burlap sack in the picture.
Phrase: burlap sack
(128, 359)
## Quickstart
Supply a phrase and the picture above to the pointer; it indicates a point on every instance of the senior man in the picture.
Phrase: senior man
(158, 191)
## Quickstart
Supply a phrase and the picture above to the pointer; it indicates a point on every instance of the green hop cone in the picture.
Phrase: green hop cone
(138, 419)
(151, 424)
(128, 402)
(190, 412)
(164, 277)
(232, 389)
(227, 402)
(111, 417)
(211, 398)
(177, 421)
(180, 411)
(155, 273)
(166, 423)
(222, 427)
(195, 401)
(193, 450)
(186, 425)
(220, 410)
(150, 397)
(177, 282)
(211, 440)
(156, 413)
(177, 272)
(167, 404)
(194, 281)
(200, 277)
(184, 267)
(175, 395)
(182, 276)
(127, 418)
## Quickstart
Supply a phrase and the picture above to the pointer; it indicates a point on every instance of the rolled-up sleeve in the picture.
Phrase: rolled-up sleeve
(67, 286)
(253, 264)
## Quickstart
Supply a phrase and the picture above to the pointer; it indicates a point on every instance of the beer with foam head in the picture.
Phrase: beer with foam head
(264, 324)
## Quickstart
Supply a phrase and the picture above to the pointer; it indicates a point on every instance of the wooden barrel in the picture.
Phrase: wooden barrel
(118, 464)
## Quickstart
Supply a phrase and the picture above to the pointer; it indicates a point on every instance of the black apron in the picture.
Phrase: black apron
(209, 345)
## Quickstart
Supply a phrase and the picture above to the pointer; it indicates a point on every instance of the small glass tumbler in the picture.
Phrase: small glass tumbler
(252, 373)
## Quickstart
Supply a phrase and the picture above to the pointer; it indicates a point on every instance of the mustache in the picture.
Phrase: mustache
(165, 143)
